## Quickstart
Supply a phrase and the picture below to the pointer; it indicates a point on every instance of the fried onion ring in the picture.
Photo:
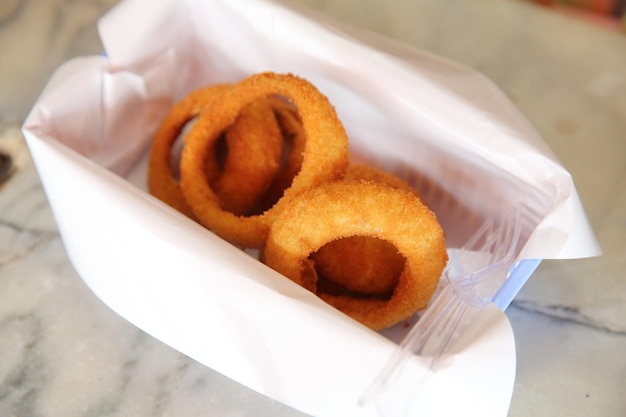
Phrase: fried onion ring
(343, 209)
(361, 264)
(253, 156)
(252, 160)
(162, 182)
(325, 156)
(293, 149)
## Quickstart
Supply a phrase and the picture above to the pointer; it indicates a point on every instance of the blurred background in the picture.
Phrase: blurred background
(52, 31)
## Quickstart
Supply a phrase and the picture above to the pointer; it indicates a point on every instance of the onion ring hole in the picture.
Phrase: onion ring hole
(358, 266)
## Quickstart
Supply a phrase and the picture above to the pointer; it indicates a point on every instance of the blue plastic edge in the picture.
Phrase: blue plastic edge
(518, 275)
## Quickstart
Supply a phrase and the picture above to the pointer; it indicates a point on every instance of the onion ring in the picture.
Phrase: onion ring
(293, 148)
(254, 147)
(254, 143)
(325, 156)
(162, 183)
(360, 264)
(361, 208)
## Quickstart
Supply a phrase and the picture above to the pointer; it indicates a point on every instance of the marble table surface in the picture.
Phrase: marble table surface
(64, 353)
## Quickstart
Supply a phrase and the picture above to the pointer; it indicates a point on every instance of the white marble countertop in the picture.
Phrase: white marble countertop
(63, 353)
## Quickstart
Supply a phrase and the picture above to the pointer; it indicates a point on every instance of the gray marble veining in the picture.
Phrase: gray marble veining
(63, 353)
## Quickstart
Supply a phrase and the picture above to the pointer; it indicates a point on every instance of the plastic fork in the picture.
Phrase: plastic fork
(471, 279)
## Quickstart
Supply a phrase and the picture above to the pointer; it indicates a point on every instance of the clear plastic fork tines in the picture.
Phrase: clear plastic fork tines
(473, 276)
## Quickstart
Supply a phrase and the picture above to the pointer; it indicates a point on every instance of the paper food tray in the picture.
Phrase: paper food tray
(503, 200)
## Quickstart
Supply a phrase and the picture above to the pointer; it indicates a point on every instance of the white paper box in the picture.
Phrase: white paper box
(443, 127)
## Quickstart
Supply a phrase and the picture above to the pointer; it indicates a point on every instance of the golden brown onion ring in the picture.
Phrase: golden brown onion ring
(325, 156)
(361, 264)
(342, 209)
(293, 151)
(253, 155)
(243, 175)
(162, 182)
